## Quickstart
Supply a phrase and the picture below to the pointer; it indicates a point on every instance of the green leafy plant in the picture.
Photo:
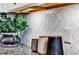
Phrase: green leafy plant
(16, 25)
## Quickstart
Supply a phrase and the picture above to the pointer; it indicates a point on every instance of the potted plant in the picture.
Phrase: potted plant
(12, 27)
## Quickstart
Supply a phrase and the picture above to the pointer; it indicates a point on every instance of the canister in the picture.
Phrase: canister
(42, 45)
(34, 44)
(55, 46)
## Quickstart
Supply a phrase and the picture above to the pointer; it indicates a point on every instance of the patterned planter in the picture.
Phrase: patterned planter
(9, 39)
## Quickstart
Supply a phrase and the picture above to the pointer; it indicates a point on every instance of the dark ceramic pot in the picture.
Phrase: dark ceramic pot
(55, 46)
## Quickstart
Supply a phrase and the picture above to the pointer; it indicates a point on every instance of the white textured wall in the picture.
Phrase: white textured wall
(62, 21)
(42, 23)
(70, 16)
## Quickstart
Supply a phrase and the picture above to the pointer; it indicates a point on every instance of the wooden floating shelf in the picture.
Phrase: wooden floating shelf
(42, 7)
